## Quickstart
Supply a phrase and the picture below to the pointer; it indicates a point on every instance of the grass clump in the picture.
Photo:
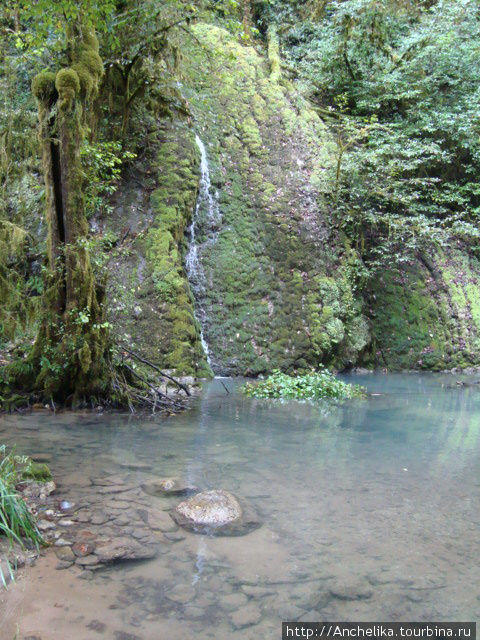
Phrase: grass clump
(319, 384)
(16, 521)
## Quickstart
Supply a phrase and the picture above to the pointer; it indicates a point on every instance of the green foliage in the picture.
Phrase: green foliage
(400, 82)
(102, 163)
(16, 522)
(320, 384)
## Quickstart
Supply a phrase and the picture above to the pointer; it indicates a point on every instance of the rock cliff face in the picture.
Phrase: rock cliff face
(428, 317)
(277, 283)
(277, 288)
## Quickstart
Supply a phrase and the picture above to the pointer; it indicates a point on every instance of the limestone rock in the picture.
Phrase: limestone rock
(215, 511)
(121, 549)
(168, 486)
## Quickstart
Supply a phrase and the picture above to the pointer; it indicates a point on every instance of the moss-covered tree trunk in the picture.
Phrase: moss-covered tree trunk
(70, 356)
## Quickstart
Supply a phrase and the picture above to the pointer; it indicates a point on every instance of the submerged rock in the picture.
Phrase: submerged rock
(246, 616)
(121, 549)
(215, 512)
(168, 486)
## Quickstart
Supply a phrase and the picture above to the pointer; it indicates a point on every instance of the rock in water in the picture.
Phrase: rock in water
(168, 486)
(121, 549)
(215, 512)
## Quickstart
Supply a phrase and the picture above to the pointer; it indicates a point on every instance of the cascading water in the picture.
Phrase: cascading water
(207, 209)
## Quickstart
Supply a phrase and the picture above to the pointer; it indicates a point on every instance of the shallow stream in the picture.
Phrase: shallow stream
(370, 511)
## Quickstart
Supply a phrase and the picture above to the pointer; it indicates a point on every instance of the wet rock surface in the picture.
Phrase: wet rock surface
(215, 512)
(168, 486)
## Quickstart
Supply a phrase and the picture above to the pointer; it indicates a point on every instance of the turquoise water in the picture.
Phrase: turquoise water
(370, 510)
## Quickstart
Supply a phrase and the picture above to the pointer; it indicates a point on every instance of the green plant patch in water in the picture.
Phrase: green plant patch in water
(320, 384)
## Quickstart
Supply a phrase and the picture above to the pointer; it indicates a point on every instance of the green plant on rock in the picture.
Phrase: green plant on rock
(319, 384)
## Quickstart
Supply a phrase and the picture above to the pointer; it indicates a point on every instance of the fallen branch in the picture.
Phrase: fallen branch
(157, 368)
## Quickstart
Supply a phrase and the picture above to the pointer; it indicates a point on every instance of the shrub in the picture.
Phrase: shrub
(320, 384)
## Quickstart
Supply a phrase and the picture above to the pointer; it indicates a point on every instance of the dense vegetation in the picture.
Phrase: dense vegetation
(398, 82)
(322, 384)
(343, 138)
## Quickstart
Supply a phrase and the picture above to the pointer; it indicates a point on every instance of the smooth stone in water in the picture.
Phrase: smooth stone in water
(82, 549)
(41, 457)
(87, 561)
(182, 593)
(233, 601)
(351, 592)
(160, 521)
(215, 511)
(246, 616)
(168, 486)
(65, 554)
(121, 549)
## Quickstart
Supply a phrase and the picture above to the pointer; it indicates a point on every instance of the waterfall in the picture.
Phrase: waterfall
(207, 205)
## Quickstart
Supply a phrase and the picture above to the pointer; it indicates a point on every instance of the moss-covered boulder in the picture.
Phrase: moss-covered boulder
(37, 471)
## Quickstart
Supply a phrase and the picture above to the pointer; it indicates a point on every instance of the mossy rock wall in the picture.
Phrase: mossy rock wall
(151, 305)
(278, 279)
(428, 315)
(278, 289)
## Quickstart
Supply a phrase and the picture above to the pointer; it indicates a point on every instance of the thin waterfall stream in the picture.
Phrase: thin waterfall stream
(207, 206)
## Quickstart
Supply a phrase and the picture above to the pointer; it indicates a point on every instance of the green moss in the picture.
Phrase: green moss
(43, 85)
(91, 61)
(37, 471)
(426, 317)
(67, 83)
(87, 82)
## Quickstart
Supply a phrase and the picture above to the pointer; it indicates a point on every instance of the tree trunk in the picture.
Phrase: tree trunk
(71, 353)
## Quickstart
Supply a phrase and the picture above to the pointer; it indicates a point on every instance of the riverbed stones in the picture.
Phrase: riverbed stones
(215, 512)
(87, 561)
(99, 517)
(168, 486)
(161, 521)
(246, 616)
(65, 554)
(41, 457)
(233, 601)
(37, 490)
(82, 549)
(122, 549)
(181, 594)
(351, 592)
